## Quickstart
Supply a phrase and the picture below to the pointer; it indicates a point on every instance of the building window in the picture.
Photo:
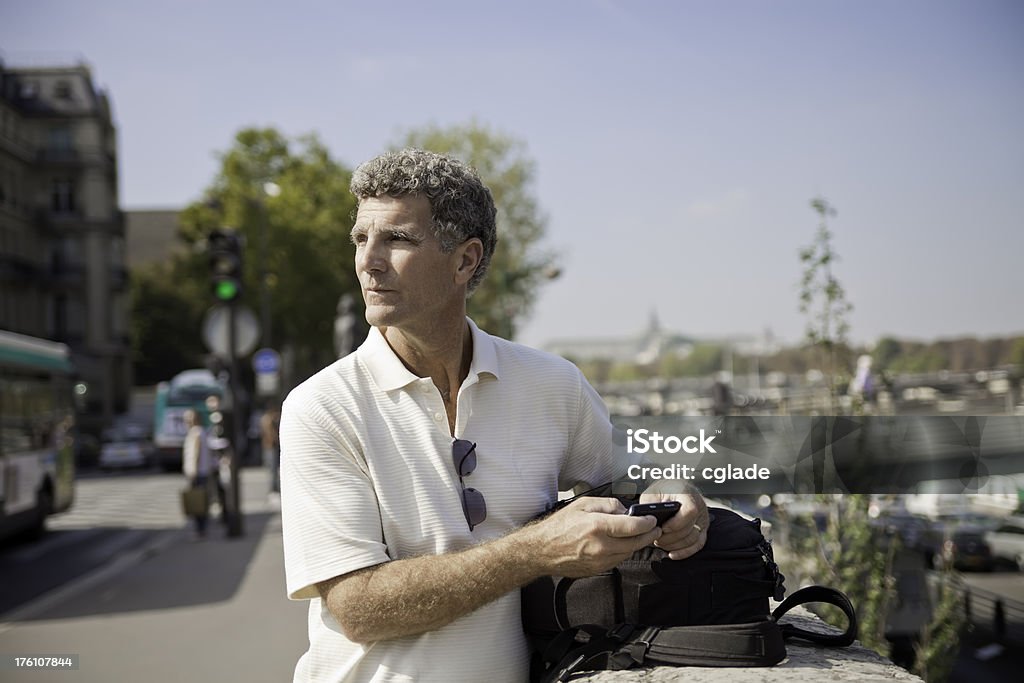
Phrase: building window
(59, 139)
(59, 324)
(68, 318)
(62, 196)
(67, 253)
(118, 315)
(116, 251)
(62, 91)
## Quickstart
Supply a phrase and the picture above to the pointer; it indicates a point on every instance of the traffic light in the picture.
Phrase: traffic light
(218, 437)
(225, 252)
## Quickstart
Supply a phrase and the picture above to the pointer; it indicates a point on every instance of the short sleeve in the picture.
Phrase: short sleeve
(593, 458)
(330, 516)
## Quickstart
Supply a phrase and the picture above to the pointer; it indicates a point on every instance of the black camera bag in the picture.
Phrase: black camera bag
(711, 609)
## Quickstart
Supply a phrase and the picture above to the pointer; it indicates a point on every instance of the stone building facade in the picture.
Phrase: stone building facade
(62, 234)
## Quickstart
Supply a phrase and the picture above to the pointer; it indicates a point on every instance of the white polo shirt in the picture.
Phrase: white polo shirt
(367, 477)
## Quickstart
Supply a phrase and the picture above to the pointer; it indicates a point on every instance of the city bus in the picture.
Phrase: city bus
(188, 389)
(37, 433)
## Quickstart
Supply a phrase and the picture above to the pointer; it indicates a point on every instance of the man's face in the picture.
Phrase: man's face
(405, 277)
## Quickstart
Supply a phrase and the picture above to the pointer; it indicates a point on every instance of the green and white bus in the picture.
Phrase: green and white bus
(37, 432)
(187, 390)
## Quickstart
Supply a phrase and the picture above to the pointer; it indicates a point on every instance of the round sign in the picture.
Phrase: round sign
(266, 361)
(216, 328)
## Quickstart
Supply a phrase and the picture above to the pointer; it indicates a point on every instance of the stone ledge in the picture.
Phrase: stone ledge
(805, 662)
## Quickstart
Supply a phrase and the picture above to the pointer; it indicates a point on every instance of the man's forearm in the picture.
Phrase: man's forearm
(408, 597)
(419, 594)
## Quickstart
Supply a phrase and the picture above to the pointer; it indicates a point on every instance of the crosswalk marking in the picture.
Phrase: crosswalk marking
(146, 501)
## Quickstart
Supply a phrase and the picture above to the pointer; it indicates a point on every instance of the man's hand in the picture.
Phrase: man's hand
(589, 536)
(685, 532)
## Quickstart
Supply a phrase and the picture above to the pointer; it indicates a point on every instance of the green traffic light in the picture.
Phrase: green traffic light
(226, 290)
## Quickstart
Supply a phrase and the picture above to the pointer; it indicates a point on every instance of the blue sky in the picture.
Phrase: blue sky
(677, 143)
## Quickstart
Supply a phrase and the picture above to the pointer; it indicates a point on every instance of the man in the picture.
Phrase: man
(412, 468)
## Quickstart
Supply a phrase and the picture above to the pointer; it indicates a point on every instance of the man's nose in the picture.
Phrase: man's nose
(372, 257)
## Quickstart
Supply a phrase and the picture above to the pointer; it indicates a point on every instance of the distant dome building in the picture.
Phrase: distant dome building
(645, 348)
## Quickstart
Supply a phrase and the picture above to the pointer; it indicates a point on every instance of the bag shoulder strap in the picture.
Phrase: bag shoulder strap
(758, 643)
(819, 594)
(580, 648)
(755, 643)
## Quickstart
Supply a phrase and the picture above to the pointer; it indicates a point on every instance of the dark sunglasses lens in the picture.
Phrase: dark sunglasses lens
(476, 508)
(464, 456)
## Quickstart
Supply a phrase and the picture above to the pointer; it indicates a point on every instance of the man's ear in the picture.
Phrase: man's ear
(468, 257)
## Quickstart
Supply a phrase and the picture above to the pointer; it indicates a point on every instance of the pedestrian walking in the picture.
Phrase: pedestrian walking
(270, 424)
(198, 465)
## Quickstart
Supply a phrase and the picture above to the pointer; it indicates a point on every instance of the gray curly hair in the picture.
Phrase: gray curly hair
(461, 206)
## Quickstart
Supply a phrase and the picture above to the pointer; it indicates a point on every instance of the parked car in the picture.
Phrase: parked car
(126, 445)
(966, 548)
(1007, 541)
(958, 540)
(913, 530)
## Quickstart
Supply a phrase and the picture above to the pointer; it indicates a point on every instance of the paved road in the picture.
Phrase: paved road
(141, 500)
(114, 515)
(159, 606)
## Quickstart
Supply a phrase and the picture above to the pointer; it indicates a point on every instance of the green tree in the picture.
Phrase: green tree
(850, 555)
(823, 299)
(166, 314)
(307, 258)
(704, 359)
(1017, 353)
(940, 640)
(519, 266)
(886, 351)
(857, 564)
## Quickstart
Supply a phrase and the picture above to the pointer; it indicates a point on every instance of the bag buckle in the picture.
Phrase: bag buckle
(619, 658)
(635, 651)
(769, 559)
(638, 648)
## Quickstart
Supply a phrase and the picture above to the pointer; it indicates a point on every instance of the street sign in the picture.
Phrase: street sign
(267, 364)
(216, 328)
(266, 361)
(268, 385)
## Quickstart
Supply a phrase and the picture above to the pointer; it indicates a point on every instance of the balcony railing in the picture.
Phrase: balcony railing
(67, 274)
(74, 156)
(19, 270)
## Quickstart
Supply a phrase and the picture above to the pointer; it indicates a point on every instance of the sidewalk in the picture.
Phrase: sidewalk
(186, 610)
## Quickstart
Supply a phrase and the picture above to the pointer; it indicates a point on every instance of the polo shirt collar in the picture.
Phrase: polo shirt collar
(389, 373)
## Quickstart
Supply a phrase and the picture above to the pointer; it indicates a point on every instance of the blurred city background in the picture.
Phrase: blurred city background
(792, 208)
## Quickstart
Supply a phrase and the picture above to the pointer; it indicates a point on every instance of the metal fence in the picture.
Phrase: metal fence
(1001, 616)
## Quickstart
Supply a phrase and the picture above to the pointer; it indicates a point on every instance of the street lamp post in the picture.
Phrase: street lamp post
(270, 189)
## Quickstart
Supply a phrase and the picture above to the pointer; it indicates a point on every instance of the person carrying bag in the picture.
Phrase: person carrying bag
(198, 463)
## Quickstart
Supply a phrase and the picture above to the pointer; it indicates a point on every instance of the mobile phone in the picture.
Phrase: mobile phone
(660, 511)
